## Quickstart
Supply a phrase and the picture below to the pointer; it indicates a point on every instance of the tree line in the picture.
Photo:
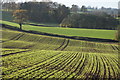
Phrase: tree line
(53, 12)
(91, 21)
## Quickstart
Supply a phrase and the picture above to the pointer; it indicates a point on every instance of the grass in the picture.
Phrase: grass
(93, 33)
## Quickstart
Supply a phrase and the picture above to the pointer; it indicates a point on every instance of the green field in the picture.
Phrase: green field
(32, 56)
(93, 33)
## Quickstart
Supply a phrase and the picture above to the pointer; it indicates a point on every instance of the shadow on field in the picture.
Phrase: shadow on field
(62, 36)
(62, 78)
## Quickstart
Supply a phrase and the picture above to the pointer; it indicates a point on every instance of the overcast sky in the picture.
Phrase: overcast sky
(92, 3)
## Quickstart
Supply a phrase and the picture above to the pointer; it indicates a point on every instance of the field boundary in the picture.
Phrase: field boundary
(62, 36)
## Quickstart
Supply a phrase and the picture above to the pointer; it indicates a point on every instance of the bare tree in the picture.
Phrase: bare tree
(6, 1)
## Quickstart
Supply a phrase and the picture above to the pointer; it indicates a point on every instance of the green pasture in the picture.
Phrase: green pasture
(93, 33)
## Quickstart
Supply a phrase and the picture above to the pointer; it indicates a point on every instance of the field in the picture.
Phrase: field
(33, 56)
(93, 33)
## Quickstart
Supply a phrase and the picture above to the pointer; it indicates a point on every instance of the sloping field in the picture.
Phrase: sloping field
(32, 56)
(92, 33)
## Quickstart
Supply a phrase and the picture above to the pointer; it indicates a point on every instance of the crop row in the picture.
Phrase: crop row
(60, 65)
(28, 55)
(6, 51)
(31, 41)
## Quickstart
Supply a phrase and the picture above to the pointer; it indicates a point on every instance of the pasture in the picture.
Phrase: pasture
(32, 56)
(92, 33)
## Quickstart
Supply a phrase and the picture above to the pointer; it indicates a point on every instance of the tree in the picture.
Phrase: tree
(75, 8)
(66, 22)
(83, 9)
(20, 17)
(61, 12)
(10, 6)
(44, 12)
(6, 1)
(90, 21)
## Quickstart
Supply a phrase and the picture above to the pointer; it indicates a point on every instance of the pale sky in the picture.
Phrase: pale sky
(92, 3)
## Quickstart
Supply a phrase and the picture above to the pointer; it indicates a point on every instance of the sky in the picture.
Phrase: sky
(92, 3)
